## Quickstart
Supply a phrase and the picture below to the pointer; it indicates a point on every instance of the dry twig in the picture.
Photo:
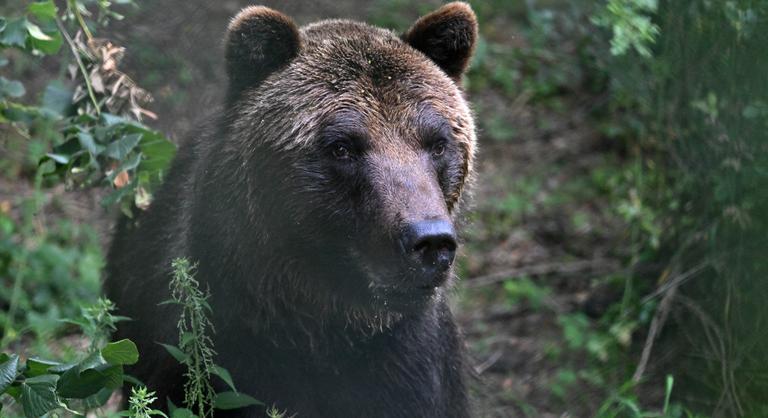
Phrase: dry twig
(597, 266)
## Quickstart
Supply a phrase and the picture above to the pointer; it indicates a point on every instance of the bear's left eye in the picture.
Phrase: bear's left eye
(341, 152)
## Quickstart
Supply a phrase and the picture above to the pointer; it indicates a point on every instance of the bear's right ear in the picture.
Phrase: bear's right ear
(259, 42)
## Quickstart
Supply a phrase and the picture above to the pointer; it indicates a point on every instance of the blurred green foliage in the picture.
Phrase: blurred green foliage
(89, 125)
(82, 132)
(695, 109)
(683, 104)
(49, 269)
(54, 271)
(686, 111)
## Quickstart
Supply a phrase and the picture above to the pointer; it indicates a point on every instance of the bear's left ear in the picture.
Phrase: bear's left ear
(259, 42)
(447, 36)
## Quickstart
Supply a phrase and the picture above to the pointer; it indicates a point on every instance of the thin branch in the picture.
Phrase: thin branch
(490, 361)
(598, 265)
(677, 281)
(657, 324)
(669, 290)
(80, 64)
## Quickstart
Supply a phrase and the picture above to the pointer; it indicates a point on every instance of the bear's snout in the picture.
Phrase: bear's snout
(430, 247)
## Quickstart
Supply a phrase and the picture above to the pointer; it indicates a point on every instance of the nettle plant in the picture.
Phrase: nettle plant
(41, 386)
(195, 349)
(90, 128)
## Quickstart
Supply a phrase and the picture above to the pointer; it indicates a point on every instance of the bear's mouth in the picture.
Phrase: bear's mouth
(400, 299)
(396, 284)
(401, 294)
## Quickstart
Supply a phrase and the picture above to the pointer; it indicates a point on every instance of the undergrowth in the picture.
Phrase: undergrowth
(682, 105)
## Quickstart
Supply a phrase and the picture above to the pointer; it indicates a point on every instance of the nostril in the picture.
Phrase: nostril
(435, 243)
(432, 241)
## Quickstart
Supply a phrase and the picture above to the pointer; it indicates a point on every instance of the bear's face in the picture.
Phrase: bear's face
(370, 140)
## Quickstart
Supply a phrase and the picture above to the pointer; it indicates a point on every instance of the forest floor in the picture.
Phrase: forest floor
(540, 234)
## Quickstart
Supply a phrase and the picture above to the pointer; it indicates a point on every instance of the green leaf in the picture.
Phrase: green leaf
(114, 376)
(8, 370)
(3, 60)
(92, 361)
(186, 338)
(37, 367)
(132, 380)
(45, 10)
(111, 120)
(11, 88)
(36, 33)
(62, 368)
(38, 395)
(234, 400)
(127, 165)
(69, 149)
(19, 113)
(182, 413)
(97, 400)
(14, 392)
(89, 144)
(76, 385)
(158, 152)
(59, 158)
(120, 149)
(171, 406)
(57, 98)
(123, 352)
(118, 194)
(224, 375)
(176, 412)
(179, 355)
(47, 46)
(15, 33)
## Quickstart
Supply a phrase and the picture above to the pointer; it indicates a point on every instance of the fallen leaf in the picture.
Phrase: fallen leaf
(121, 179)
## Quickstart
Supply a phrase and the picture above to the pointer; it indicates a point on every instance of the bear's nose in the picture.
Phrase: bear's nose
(431, 243)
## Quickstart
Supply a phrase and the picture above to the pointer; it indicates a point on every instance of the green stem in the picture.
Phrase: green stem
(80, 20)
(80, 65)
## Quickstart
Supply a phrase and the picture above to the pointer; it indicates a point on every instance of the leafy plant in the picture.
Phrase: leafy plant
(625, 404)
(139, 404)
(86, 131)
(41, 386)
(92, 125)
(195, 348)
(98, 322)
(195, 341)
(631, 24)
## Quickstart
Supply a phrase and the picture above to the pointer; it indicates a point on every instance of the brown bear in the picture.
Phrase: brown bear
(320, 210)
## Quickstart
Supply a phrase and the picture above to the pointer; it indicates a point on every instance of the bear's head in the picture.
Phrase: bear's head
(355, 145)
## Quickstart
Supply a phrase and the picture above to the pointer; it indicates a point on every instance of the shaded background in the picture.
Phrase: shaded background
(607, 180)
(539, 222)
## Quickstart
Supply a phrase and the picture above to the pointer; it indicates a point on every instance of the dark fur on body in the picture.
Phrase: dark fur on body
(314, 310)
